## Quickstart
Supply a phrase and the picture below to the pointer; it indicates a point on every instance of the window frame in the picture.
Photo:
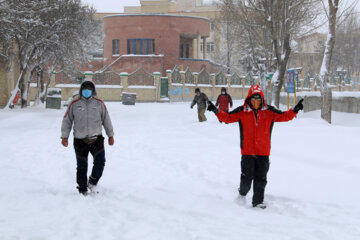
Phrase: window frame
(210, 47)
(141, 43)
(116, 47)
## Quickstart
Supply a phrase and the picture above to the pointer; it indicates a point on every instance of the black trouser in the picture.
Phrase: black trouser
(254, 168)
(82, 150)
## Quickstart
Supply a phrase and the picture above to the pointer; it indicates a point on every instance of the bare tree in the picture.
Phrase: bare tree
(230, 32)
(270, 26)
(47, 34)
(331, 8)
(346, 52)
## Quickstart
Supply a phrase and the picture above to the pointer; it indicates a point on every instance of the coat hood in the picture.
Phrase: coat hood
(255, 89)
(87, 81)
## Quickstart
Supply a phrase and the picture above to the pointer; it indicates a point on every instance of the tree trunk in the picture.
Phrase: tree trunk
(281, 69)
(38, 87)
(325, 90)
(326, 101)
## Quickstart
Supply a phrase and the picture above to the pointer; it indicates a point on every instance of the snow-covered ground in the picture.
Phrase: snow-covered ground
(170, 177)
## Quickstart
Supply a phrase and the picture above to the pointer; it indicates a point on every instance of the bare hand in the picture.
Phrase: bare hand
(65, 142)
(111, 141)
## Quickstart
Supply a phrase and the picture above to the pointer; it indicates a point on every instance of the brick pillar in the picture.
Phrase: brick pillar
(182, 74)
(243, 87)
(124, 76)
(213, 82)
(157, 85)
(196, 75)
(89, 74)
(169, 76)
(228, 79)
(52, 80)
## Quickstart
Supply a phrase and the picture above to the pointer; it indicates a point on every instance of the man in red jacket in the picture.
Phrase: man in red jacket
(256, 120)
(224, 100)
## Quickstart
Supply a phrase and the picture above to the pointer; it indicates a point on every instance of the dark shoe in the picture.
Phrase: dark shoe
(241, 194)
(92, 188)
(82, 190)
(92, 181)
(259, 205)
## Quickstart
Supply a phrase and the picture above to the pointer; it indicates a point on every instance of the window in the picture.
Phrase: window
(210, 46)
(187, 50)
(201, 47)
(212, 26)
(181, 50)
(141, 46)
(115, 47)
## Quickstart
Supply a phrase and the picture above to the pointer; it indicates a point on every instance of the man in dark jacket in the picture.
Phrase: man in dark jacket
(224, 100)
(200, 99)
(256, 120)
(88, 114)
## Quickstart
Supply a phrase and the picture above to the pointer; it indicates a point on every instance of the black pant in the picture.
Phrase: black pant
(82, 150)
(254, 168)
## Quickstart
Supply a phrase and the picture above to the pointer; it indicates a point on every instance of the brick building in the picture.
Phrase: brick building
(156, 42)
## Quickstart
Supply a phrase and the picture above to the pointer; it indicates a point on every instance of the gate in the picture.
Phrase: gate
(164, 88)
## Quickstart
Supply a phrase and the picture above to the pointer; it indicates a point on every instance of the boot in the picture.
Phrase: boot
(82, 190)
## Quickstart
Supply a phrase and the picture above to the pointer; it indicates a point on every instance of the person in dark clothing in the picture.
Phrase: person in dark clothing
(200, 99)
(224, 100)
(256, 120)
(87, 114)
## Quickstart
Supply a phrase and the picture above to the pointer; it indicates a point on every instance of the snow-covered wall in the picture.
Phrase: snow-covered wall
(348, 102)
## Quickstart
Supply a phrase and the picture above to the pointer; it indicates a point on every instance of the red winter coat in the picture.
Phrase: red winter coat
(223, 102)
(256, 130)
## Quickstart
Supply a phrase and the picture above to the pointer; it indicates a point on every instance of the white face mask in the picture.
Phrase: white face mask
(223, 92)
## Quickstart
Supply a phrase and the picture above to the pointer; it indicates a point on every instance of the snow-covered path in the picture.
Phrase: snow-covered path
(169, 177)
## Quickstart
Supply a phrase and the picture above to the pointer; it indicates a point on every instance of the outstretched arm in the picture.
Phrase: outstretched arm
(225, 117)
(280, 116)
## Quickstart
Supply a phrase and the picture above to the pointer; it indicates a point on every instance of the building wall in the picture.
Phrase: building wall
(312, 43)
(165, 29)
(310, 62)
(184, 8)
(4, 92)
(131, 63)
(9, 73)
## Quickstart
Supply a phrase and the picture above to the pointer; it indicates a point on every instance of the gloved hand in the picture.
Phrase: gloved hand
(212, 108)
(191, 107)
(299, 106)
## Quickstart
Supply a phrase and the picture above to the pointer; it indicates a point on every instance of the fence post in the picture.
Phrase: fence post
(312, 84)
(89, 74)
(157, 85)
(228, 81)
(182, 74)
(213, 81)
(52, 80)
(124, 76)
(243, 88)
(196, 80)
